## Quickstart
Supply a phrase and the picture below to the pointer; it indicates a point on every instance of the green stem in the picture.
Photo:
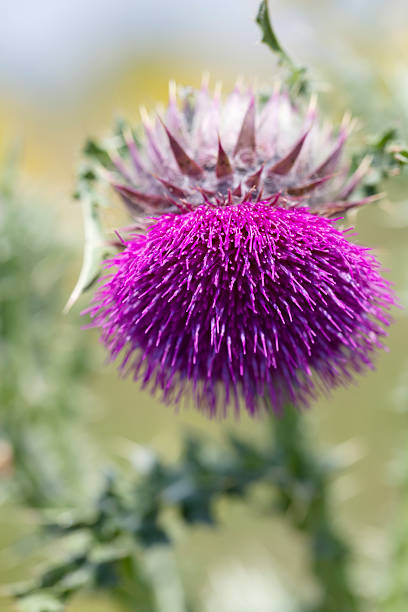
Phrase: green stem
(304, 495)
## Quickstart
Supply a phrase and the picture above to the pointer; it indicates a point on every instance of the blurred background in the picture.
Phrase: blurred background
(67, 69)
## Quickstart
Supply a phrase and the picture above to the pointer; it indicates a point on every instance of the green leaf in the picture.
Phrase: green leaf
(150, 534)
(402, 156)
(386, 138)
(296, 80)
(96, 152)
(197, 509)
(268, 35)
(389, 157)
(96, 250)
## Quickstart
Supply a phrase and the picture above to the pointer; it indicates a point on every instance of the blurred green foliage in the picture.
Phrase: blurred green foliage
(389, 155)
(43, 359)
(129, 516)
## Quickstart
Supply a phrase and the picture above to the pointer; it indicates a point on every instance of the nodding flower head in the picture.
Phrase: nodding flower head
(240, 291)
(245, 301)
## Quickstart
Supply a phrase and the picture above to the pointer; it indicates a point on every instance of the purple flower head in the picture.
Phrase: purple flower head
(234, 304)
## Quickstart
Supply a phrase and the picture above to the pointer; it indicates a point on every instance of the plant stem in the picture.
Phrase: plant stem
(304, 496)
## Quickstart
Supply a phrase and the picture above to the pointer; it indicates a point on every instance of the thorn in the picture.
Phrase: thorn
(303, 189)
(223, 167)
(187, 165)
(248, 195)
(205, 193)
(134, 153)
(217, 91)
(355, 178)
(246, 138)
(183, 206)
(311, 111)
(148, 126)
(273, 199)
(173, 189)
(138, 197)
(140, 225)
(121, 240)
(237, 191)
(332, 208)
(253, 179)
(333, 158)
(120, 166)
(146, 119)
(172, 92)
(189, 206)
(284, 165)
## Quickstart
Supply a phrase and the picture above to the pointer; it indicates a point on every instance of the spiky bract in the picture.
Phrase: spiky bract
(205, 149)
(246, 301)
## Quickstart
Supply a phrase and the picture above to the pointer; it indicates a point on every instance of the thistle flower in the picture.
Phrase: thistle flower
(240, 290)
(212, 152)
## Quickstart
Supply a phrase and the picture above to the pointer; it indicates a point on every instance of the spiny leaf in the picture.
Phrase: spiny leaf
(296, 80)
(402, 156)
(95, 152)
(268, 35)
(129, 510)
(95, 250)
(386, 138)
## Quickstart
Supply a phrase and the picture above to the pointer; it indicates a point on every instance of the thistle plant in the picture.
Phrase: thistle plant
(234, 286)
(234, 283)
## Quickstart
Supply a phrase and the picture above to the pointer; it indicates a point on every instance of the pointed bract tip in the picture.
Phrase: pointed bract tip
(223, 167)
(284, 165)
(185, 163)
(172, 92)
(205, 80)
(246, 138)
(146, 118)
(254, 179)
(356, 177)
(302, 190)
(312, 108)
(218, 91)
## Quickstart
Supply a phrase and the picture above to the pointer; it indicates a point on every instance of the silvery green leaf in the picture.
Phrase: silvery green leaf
(296, 79)
(40, 602)
(96, 250)
(268, 35)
